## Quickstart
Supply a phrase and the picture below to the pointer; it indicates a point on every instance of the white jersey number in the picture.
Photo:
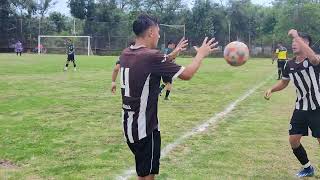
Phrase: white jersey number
(124, 81)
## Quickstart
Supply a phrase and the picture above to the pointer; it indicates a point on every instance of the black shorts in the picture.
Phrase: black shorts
(147, 154)
(167, 79)
(281, 64)
(302, 120)
(70, 57)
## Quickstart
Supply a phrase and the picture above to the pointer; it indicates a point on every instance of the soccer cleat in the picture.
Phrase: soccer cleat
(75, 69)
(65, 69)
(166, 98)
(306, 172)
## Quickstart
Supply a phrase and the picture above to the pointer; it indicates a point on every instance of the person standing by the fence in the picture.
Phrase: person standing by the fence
(18, 48)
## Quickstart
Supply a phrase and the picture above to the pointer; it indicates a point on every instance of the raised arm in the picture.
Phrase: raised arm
(308, 52)
(206, 48)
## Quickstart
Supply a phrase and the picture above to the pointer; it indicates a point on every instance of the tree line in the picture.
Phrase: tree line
(257, 25)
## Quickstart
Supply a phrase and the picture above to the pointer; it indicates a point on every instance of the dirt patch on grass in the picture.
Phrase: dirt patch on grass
(7, 164)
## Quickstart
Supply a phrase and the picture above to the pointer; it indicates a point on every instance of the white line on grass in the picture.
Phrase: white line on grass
(202, 127)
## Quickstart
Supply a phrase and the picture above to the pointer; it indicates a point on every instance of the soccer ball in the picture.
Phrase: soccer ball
(236, 53)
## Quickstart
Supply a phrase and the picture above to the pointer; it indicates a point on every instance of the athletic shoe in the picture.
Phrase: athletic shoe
(65, 69)
(75, 69)
(166, 98)
(306, 172)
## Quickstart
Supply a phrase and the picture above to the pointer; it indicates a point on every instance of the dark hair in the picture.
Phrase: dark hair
(132, 43)
(306, 37)
(170, 42)
(143, 23)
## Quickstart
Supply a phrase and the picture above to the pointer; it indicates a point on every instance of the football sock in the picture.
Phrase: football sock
(167, 93)
(302, 156)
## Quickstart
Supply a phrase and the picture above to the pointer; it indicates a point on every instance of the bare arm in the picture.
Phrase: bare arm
(202, 52)
(280, 85)
(308, 52)
(114, 78)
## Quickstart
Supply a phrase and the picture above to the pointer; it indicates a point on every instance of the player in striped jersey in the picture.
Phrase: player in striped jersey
(141, 69)
(304, 71)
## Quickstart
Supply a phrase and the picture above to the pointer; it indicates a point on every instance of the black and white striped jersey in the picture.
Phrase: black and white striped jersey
(141, 70)
(306, 78)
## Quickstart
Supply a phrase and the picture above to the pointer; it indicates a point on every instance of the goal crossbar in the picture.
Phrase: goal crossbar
(44, 36)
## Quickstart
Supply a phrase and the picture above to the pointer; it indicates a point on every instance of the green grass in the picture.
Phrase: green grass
(66, 125)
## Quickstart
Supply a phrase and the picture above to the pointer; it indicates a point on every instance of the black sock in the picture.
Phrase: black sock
(279, 73)
(301, 155)
(74, 64)
(67, 65)
(162, 86)
(167, 93)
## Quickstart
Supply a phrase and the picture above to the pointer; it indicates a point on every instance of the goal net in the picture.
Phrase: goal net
(57, 44)
(171, 33)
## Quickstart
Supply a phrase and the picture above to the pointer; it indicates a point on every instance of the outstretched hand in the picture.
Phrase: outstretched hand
(207, 47)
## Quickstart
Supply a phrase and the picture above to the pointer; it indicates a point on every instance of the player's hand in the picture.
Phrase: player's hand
(206, 48)
(182, 46)
(268, 94)
(113, 87)
(293, 33)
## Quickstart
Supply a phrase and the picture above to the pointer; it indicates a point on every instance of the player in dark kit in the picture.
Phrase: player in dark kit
(70, 53)
(167, 81)
(303, 70)
(141, 69)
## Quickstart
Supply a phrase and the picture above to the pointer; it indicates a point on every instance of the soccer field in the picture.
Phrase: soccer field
(67, 125)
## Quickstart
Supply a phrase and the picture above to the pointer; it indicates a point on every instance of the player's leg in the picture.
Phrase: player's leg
(279, 70)
(67, 64)
(298, 128)
(163, 85)
(17, 53)
(168, 87)
(20, 53)
(283, 63)
(74, 63)
(315, 124)
(147, 155)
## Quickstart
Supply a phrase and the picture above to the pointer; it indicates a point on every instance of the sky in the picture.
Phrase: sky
(63, 7)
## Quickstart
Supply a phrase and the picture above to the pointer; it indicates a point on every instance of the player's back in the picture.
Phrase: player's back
(136, 67)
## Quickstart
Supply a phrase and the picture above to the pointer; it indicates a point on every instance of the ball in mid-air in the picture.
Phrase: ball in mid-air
(236, 53)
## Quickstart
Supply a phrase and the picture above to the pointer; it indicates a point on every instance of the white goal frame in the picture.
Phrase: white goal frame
(44, 36)
(175, 26)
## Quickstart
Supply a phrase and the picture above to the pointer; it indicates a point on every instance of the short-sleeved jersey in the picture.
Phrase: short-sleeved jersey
(282, 53)
(141, 69)
(18, 47)
(118, 62)
(306, 78)
(70, 49)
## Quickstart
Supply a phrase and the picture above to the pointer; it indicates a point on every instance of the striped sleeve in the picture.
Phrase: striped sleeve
(285, 73)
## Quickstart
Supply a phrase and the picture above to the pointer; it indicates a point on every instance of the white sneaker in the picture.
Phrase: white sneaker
(65, 69)
(75, 69)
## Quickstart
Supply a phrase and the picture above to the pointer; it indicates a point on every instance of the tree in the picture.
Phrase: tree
(59, 21)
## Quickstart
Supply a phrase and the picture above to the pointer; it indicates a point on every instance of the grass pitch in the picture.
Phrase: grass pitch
(66, 125)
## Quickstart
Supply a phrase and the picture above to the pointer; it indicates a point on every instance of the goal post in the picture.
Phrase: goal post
(88, 38)
(172, 31)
